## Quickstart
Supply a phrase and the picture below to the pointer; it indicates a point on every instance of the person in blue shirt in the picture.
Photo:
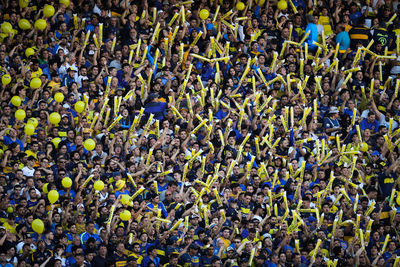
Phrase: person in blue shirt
(89, 233)
(370, 123)
(155, 204)
(313, 36)
(343, 38)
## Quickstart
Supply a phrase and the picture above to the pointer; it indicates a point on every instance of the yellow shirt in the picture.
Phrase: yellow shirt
(324, 21)
(30, 153)
(10, 228)
(36, 74)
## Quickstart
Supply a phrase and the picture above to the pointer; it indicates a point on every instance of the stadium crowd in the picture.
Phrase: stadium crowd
(199, 133)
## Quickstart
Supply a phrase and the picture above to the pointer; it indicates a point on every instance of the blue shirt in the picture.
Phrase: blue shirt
(343, 39)
(313, 35)
(372, 126)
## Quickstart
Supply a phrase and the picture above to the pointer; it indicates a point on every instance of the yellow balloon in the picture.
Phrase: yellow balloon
(10, 209)
(6, 27)
(20, 114)
(59, 97)
(40, 24)
(55, 118)
(6, 79)
(48, 11)
(65, 2)
(204, 14)
(260, 2)
(56, 141)
(98, 185)
(33, 121)
(44, 188)
(24, 24)
(23, 3)
(79, 106)
(53, 196)
(364, 147)
(29, 52)
(282, 5)
(89, 144)
(29, 129)
(16, 101)
(240, 6)
(66, 182)
(38, 226)
(124, 199)
(35, 83)
(125, 215)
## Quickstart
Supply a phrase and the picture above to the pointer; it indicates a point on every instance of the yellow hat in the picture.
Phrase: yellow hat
(119, 184)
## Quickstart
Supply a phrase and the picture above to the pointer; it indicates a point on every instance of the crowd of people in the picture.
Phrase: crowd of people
(199, 133)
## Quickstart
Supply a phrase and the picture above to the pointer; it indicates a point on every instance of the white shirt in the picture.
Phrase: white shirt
(28, 172)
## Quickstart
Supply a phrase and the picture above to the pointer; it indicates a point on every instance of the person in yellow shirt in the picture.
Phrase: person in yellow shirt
(10, 224)
(34, 149)
(226, 237)
(35, 69)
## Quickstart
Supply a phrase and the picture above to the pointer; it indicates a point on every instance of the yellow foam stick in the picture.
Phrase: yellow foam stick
(138, 192)
(173, 19)
(150, 77)
(353, 118)
(216, 13)
(228, 174)
(305, 50)
(87, 181)
(367, 235)
(396, 261)
(352, 70)
(380, 71)
(304, 83)
(94, 121)
(305, 37)
(336, 50)
(253, 252)
(189, 103)
(396, 90)
(385, 243)
(163, 220)
(245, 139)
(86, 38)
(343, 191)
(297, 245)
(149, 156)
(174, 34)
(183, 17)
(292, 117)
(293, 6)
(359, 133)
(107, 116)
(392, 18)
(196, 39)
(227, 14)
(335, 222)
(112, 210)
(283, 49)
(176, 225)
(274, 58)
(144, 55)
(177, 113)
(388, 142)
(116, 120)
(397, 44)
(347, 78)
(301, 68)
(371, 88)
(262, 76)
(338, 142)
(316, 249)
(370, 209)
(96, 42)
